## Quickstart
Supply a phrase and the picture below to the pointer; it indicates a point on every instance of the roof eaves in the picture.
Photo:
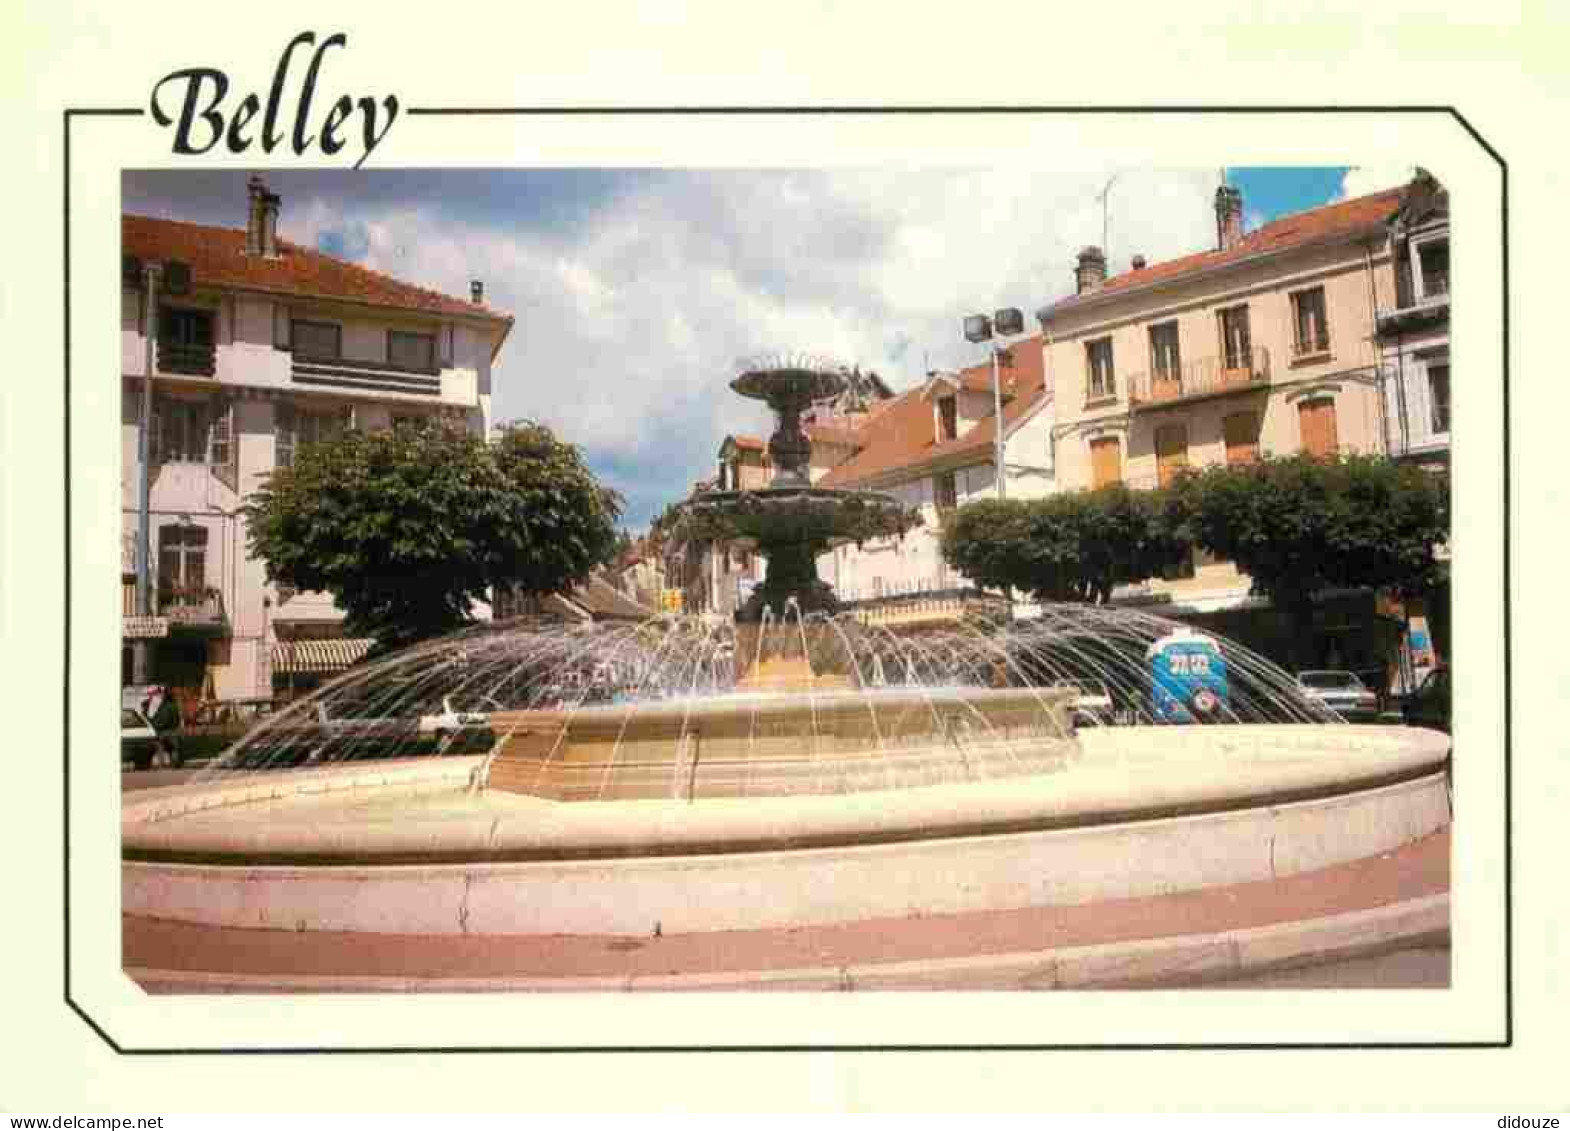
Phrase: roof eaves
(1044, 314)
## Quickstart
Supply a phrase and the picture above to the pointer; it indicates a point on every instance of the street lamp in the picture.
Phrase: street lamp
(980, 328)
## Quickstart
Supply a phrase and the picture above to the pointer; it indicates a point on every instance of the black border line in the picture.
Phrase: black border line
(1014, 110)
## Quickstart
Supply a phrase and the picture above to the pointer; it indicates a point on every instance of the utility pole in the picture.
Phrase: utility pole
(141, 650)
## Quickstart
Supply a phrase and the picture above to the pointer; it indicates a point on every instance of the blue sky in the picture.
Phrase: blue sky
(636, 291)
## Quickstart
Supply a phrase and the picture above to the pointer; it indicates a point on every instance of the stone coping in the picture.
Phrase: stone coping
(351, 815)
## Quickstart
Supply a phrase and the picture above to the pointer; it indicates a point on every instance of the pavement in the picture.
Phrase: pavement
(1379, 921)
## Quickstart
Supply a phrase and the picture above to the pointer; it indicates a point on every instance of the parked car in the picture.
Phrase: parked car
(1343, 692)
(1429, 705)
(457, 730)
(142, 745)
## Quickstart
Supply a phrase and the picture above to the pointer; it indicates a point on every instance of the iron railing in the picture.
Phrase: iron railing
(1201, 377)
(183, 357)
(199, 605)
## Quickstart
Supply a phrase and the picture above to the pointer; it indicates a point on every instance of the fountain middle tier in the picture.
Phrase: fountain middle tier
(773, 743)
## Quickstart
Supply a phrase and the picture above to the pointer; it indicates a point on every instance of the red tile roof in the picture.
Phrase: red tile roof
(1343, 219)
(747, 443)
(902, 437)
(217, 259)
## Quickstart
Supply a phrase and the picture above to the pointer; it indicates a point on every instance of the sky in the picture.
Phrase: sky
(638, 291)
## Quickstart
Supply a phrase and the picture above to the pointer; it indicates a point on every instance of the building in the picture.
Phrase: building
(259, 346)
(1414, 330)
(1414, 342)
(934, 448)
(1264, 344)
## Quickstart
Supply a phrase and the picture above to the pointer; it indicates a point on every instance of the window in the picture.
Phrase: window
(948, 420)
(1106, 462)
(1165, 362)
(1317, 427)
(1433, 268)
(1241, 430)
(1171, 452)
(411, 351)
(1098, 358)
(295, 427)
(1310, 333)
(182, 561)
(317, 339)
(945, 495)
(1236, 348)
(1439, 397)
(180, 431)
(185, 341)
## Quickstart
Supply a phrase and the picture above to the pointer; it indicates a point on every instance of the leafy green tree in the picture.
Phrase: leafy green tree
(1075, 546)
(1299, 525)
(407, 528)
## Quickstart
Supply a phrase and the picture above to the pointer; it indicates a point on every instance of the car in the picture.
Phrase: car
(1429, 705)
(1343, 692)
(454, 729)
(141, 744)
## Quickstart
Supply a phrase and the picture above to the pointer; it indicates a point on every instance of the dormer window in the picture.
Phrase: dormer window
(948, 420)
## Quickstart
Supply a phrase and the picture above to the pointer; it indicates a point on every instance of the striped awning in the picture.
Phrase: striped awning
(144, 628)
(318, 655)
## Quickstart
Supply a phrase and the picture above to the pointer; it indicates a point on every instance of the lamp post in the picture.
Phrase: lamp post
(141, 652)
(980, 328)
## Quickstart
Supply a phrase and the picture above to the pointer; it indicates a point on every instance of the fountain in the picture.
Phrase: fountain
(704, 775)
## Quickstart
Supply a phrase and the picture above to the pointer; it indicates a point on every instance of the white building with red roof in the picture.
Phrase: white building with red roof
(261, 345)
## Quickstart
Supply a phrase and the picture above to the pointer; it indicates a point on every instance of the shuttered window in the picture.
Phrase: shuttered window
(1317, 427)
(1106, 462)
(1242, 435)
(1171, 452)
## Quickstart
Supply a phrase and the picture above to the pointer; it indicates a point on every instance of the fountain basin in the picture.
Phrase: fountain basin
(1140, 811)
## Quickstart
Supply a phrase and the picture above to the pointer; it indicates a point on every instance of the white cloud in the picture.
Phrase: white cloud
(629, 324)
(1360, 180)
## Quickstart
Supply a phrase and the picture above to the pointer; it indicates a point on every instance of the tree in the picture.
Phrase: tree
(1300, 525)
(408, 528)
(1075, 546)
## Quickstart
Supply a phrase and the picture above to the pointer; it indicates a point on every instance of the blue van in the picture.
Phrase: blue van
(1188, 678)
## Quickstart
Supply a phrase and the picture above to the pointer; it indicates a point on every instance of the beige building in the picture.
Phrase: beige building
(1264, 344)
(261, 346)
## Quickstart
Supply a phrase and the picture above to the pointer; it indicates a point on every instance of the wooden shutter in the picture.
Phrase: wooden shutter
(1317, 427)
(1242, 435)
(223, 454)
(1171, 452)
(1106, 463)
(281, 327)
(283, 434)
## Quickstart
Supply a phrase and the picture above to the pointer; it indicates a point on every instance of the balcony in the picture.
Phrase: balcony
(200, 607)
(1200, 378)
(186, 358)
(367, 376)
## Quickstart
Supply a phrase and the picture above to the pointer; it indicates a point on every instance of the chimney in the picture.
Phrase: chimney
(1229, 217)
(476, 292)
(1090, 271)
(1139, 263)
(261, 226)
